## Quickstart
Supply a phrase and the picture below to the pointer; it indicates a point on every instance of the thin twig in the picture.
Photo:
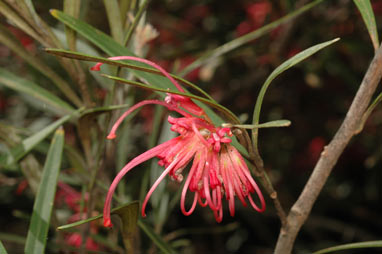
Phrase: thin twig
(267, 184)
(301, 209)
(259, 171)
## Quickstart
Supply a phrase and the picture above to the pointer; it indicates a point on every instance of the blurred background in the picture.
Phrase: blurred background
(315, 96)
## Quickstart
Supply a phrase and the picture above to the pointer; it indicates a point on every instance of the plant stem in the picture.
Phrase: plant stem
(301, 209)
(259, 171)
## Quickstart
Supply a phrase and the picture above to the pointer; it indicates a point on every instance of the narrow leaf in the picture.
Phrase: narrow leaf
(18, 21)
(32, 11)
(85, 57)
(42, 27)
(213, 104)
(8, 39)
(129, 216)
(115, 21)
(271, 124)
(350, 246)
(42, 209)
(280, 69)
(107, 44)
(105, 109)
(71, 7)
(366, 10)
(368, 111)
(29, 88)
(238, 42)
(12, 238)
(157, 240)
(29, 143)
(117, 210)
(79, 223)
(2, 249)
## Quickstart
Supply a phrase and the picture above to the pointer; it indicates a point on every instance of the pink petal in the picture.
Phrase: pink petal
(137, 160)
(195, 165)
(140, 104)
(155, 185)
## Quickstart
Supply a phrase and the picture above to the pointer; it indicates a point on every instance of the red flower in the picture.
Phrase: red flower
(217, 167)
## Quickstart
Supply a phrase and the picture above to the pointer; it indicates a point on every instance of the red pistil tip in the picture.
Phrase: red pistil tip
(111, 136)
(96, 67)
(107, 223)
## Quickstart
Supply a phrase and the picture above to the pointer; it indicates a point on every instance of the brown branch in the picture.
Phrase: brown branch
(301, 209)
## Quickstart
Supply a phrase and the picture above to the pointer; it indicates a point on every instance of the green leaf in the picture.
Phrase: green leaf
(31, 170)
(129, 217)
(29, 143)
(42, 209)
(71, 7)
(366, 10)
(157, 240)
(12, 43)
(119, 210)
(12, 238)
(105, 109)
(238, 42)
(271, 124)
(213, 104)
(18, 21)
(32, 11)
(115, 20)
(85, 57)
(29, 88)
(2, 249)
(280, 69)
(368, 111)
(44, 30)
(350, 246)
(108, 45)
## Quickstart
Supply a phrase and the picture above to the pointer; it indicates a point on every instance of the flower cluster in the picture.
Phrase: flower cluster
(217, 168)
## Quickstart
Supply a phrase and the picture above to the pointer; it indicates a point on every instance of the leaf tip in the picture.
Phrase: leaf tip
(60, 131)
(54, 12)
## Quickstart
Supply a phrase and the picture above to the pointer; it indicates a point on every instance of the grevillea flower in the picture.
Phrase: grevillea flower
(217, 168)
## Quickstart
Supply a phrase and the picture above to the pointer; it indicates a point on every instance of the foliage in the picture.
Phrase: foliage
(56, 164)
